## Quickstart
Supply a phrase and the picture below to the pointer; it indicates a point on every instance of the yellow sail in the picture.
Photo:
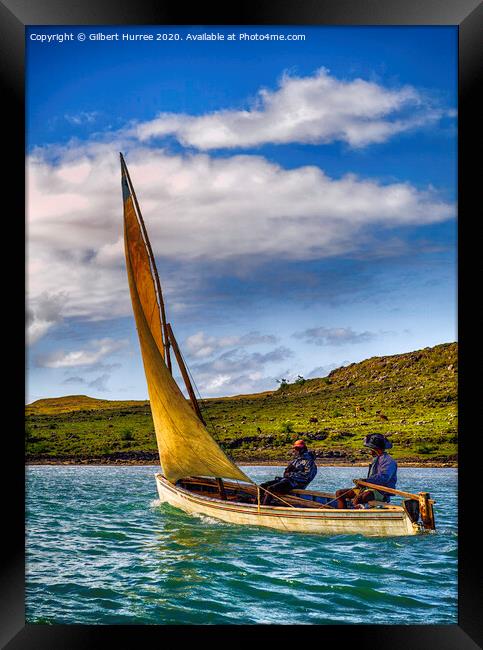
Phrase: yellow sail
(185, 446)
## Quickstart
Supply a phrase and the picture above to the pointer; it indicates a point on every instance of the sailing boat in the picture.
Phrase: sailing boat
(197, 476)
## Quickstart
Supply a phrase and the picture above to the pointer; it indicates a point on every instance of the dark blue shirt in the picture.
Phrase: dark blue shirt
(301, 471)
(383, 471)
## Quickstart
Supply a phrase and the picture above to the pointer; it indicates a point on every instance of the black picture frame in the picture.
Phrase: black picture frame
(15, 15)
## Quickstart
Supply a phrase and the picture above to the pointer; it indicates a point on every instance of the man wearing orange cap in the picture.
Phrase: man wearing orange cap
(297, 475)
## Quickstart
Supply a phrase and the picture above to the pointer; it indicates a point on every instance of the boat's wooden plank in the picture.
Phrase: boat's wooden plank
(304, 503)
(221, 488)
(314, 493)
(426, 511)
(383, 488)
(381, 504)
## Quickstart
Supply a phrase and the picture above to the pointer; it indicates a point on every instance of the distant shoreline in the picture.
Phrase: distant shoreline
(124, 463)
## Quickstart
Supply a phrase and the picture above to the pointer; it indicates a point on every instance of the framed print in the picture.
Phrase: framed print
(249, 272)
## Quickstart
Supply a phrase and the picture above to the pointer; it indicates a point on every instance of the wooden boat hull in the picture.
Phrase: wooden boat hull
(386, 522)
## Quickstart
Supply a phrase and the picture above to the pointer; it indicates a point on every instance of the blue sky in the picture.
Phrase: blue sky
(300, 197)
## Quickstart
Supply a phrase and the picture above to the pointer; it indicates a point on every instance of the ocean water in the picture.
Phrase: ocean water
(101, 549)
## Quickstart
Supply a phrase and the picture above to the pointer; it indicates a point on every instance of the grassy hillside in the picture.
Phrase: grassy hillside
(56, 405)
(412, 398)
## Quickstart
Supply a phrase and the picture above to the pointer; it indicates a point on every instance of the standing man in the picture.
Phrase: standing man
(297, 475)
(382, 471)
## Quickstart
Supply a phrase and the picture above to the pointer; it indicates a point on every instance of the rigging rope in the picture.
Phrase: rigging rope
(210, 425)
(213, 433)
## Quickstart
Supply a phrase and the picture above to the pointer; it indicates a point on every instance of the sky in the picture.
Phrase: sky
(299, 194)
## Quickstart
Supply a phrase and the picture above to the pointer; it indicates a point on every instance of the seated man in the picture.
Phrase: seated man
(297, 474)
(382, 471)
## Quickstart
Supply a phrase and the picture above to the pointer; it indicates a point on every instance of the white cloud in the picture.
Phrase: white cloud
(92, 354)
(43, 313)
(217, 382)
(83, 117)
(238, 371)
(100, 383)
(313, 109)
(238, 384)
(334, 336)
(197, 209)
(240, 360)
(200, 345)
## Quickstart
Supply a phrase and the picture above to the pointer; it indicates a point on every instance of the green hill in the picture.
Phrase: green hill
(411, 398)
(55, 405)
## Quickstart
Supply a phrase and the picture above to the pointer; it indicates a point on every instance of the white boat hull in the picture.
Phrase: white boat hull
(389, 522)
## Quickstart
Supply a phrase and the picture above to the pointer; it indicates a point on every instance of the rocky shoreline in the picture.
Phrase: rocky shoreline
(147, 458)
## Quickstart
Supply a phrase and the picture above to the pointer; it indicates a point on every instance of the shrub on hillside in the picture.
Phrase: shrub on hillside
(425, 449)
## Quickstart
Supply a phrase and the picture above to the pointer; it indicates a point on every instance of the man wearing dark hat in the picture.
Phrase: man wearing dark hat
(297, 475)
(382, 471)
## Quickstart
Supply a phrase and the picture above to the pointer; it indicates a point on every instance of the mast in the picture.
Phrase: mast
(184, 373)
(194, 401)
(167, 332)
(166, 342)
(186, 447)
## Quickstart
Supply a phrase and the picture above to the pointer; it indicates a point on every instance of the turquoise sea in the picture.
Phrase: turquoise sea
(101, 549)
